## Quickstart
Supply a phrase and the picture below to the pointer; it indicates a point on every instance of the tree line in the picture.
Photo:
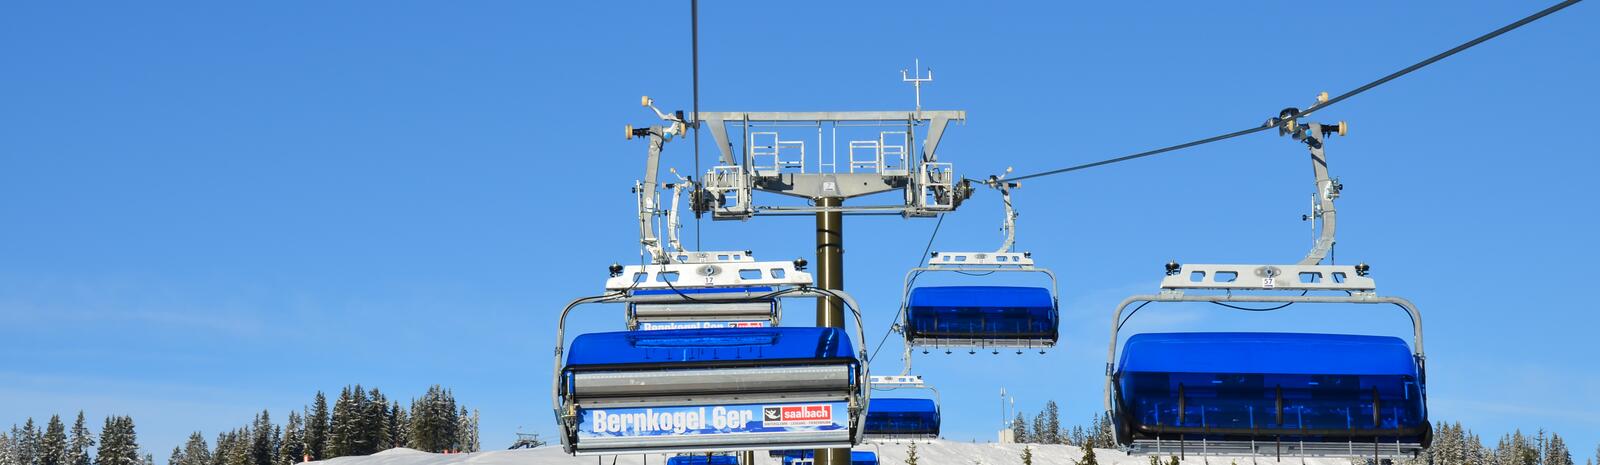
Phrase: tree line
(1452, 443)
(360, 422)
(1046, 429)
(1456, 445)
(54, 444)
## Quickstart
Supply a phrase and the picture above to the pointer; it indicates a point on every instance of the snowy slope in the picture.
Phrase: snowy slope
(936, 452)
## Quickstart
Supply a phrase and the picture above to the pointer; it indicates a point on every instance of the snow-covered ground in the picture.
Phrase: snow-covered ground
(937, 452)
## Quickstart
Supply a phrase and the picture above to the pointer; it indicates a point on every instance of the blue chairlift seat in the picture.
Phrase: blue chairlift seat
(980, 315)
(1270, 386)
(660, 389)
(702, 459)
(671, 349)
(902, 418)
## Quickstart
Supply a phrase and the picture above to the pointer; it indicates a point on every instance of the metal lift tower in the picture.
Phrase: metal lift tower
(825, 158)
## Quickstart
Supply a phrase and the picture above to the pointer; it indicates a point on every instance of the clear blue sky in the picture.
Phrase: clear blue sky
(207, 209)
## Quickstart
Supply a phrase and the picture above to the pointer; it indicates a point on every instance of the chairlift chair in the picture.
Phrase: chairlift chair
(902, 417)
(717, 389)
(1271, 393)
(984, 316)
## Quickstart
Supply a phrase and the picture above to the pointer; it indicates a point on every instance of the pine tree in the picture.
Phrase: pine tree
(78, 446)
(911, 454)
(474, 446)
(1027, 455)
(1541, 445)
(362, 429)
(1556, 452)
(148, 459)
(1052, 424)
(1516, 449)
(1077, 438)
(27, 443)
(1461, 451)
(1088, 456)
(1104, 436)
(1019, 429)
(176, 457)
(1038, 428)
(1477, 454)
(240, 447)
(293, 447)
(339, 427)
(375, 422)
(1528, 454)
(119, 444)
(1173, 461)
(261, 450)
(399, 426)
(433, 420)
(317, 427)
(466, 431)
(354, 430)
(196, 452)
(53, 448)
(8, 450)
(220, 455)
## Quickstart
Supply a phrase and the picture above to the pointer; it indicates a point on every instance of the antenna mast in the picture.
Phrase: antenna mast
(916, 80)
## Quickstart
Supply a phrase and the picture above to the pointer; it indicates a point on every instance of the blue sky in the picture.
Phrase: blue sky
(208, 209)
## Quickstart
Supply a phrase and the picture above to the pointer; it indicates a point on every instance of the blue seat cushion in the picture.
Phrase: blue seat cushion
(691, 346)
(987, 312)
(902, 416)
(1303, 387)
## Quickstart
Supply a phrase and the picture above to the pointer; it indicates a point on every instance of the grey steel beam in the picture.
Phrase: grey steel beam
(829, 185)
(719, 133)
(936, 127)
(780, 116)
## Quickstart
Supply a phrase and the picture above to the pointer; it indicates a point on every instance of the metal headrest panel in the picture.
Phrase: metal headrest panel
(672, 277)
(1269, 277)
(702, 315)
(820, 381)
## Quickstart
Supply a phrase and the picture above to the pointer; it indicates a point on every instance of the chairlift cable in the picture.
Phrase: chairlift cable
(1320, 105)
